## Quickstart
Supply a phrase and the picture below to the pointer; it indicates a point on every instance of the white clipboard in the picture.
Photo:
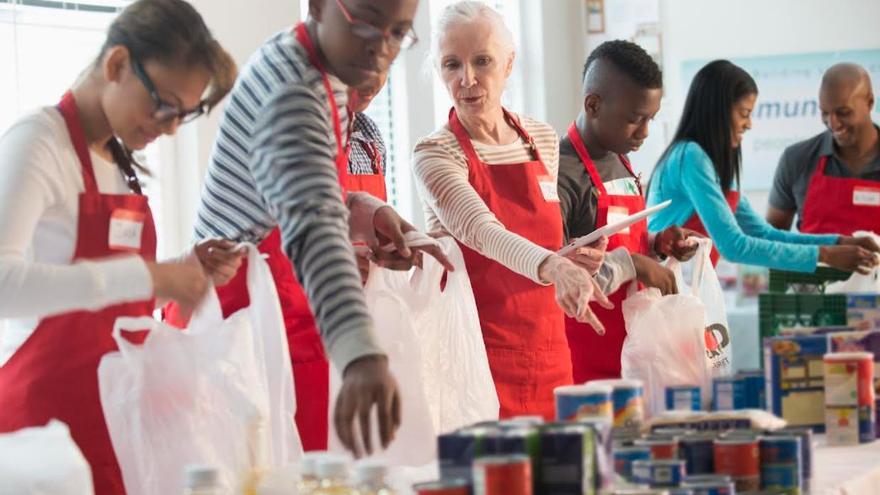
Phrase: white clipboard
(611, 229)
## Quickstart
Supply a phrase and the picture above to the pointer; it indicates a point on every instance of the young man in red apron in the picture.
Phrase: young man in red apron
(837, 170)
(597, 186)
(364, 171)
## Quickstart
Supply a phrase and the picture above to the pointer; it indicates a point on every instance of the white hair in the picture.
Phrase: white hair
(466, 12)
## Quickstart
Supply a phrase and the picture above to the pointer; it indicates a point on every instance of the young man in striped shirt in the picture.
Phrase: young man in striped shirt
(275, 163)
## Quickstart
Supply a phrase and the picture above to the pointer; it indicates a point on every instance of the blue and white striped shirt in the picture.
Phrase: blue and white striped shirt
(273, 164)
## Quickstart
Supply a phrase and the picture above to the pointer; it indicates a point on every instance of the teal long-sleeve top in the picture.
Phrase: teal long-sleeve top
(688, 178)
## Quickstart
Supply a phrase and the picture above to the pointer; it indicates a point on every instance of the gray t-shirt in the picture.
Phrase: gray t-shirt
(579, 200)
(796, 167)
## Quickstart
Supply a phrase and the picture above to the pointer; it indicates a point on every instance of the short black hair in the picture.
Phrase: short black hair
(631, 59)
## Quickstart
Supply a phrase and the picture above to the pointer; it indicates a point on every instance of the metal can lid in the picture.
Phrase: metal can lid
(441, 484)
(496, 460)
(588, 389)
(659, 462)
(849, 356)
(620, 383)
(701, 436)
(737, 440)
(707, 478)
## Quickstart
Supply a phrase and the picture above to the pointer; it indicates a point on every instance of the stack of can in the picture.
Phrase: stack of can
(739, 457)
(850, 407)
(628, 403)
(781, 464)
(498, 457)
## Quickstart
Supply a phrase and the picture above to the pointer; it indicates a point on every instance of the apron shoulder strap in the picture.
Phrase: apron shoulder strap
(70, 113)
(581, 149)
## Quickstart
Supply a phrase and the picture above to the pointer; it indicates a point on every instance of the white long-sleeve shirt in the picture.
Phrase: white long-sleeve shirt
(40, 184)
(451, 203)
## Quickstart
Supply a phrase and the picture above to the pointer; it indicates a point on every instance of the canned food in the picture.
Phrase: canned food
(754, 385)
(568, 459)
(503, 475)
(637, 491)
(728, 394)
(806, 436)
(625, 456)
(660, 447)
(580, 402)
(443, 487)
(658, 473)
(673, 432)
(739, 458)
(850, 408)
(684, 398)
(781, 468)
(697, 451)
(523, 440)
(628, 402)
(711, 487)
(456, 451)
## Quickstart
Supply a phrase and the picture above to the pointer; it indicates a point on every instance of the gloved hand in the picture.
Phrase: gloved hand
(591, 257)
(575, 288)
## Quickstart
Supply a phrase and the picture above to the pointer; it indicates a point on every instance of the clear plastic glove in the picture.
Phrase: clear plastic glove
(591, 257)
(575, 288)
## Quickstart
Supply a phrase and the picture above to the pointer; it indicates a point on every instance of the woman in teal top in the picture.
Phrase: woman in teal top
(700, 173)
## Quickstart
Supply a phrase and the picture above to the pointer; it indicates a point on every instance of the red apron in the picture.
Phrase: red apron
(522, 324)
(54, 374)
(310, 365)
(697, 226)
(595, 356)
(828, 197)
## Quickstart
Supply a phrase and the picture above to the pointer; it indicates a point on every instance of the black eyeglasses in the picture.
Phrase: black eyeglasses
(370, 33)
(164, 111)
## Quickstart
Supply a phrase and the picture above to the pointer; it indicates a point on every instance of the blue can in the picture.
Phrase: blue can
(781, 466)
(456, 451)
(659, 472)
(582, 402)
(806, 437)
(567, 459)
(711, 487)
(627, 397)
(625, 456)
(754, 385)
(697, 452)
(684, 398)
(728, 394)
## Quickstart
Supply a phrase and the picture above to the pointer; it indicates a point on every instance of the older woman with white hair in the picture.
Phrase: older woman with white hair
(488, 178)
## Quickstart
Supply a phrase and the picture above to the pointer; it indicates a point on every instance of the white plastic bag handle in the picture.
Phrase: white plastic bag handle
(130, 323)
(700, 259)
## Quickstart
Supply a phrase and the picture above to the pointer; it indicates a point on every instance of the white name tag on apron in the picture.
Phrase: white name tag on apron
(866, 196)
(548, 188)
(618, 214)
(126, 229)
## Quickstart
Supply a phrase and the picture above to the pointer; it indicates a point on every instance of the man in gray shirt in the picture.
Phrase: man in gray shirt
(836, 171)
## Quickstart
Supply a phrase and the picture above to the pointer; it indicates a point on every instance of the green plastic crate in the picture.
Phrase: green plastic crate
(776, 311)
(781, 281)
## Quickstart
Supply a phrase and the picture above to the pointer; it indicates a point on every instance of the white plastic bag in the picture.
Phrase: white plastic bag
(458, 381)
(218, 393)
(43, 460)
(704, 285)
(436, 352)
(665, 344)
(858, 283)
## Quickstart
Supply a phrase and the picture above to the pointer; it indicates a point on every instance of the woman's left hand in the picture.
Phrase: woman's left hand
(219, 259)
(863, 242)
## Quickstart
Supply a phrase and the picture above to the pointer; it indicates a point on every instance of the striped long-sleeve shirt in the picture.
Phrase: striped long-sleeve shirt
(273, 164)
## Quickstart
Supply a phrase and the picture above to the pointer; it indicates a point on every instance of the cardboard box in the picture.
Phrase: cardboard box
(863, 311)
(795, 376)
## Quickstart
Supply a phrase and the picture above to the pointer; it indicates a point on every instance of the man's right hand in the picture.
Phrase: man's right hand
(653, 274)
(848, 258)
(366, 382)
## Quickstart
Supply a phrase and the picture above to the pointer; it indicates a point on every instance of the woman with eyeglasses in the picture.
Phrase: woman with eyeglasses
(281, 160)
(77, 239)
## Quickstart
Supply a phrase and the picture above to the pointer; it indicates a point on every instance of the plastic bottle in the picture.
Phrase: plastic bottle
(308, 468)
(369, 478)
(202, 480)
(332, 471)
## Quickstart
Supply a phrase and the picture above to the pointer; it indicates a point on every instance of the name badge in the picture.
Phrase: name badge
(126, 229)
(618, 214)
(548, 188)
(866, 196)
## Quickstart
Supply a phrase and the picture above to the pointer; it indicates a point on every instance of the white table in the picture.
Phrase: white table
(851, 470)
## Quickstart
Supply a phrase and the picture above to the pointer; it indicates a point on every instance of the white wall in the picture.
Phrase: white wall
(240, 26)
